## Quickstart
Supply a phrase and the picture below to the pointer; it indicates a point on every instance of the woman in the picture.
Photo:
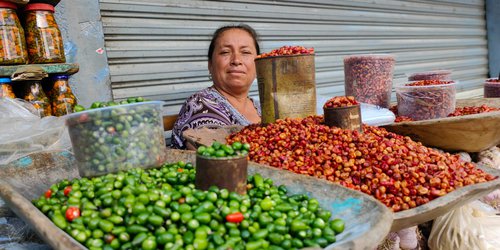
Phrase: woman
(231, 56)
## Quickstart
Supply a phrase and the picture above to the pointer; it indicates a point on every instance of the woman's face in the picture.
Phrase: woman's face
(232, 66)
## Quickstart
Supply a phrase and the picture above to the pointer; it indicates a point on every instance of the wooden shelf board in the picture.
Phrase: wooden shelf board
(54, 68)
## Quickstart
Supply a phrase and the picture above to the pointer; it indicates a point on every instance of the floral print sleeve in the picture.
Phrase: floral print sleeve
(206, 108)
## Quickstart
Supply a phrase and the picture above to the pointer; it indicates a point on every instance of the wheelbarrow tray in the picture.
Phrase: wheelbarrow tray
(402, 219)
(367, 220)
(469, 133)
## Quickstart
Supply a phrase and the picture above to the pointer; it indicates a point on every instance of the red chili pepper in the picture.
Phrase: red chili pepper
(72, 213)
(235, 217)
(67, 190)
(48, 193)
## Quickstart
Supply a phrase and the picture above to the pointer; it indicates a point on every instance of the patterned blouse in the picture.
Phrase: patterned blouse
(206, 108)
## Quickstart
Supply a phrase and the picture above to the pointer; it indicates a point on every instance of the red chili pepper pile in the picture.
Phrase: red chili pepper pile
(288, 51)
(472, 110)
(458, 112)
(428, 83)
(394, 169)
(341, 101)
(493, 80)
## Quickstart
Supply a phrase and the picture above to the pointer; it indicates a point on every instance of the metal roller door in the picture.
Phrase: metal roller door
(157, 48)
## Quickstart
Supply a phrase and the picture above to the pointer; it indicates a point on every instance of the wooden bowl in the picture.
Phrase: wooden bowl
(470, 133)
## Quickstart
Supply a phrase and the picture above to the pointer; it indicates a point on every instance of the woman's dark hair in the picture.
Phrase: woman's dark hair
(221, 30)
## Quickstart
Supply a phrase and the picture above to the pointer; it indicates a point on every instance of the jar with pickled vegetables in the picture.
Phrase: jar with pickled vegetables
(43, 37)
(12, 45)
(36, 96)
(6, 88)
(63, 99)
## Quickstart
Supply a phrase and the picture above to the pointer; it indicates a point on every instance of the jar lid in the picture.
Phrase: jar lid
(5, 80)
(59, 77)
(39, 6)
(9, 5)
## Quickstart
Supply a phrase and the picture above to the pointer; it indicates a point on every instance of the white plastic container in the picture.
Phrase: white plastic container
(426, 102)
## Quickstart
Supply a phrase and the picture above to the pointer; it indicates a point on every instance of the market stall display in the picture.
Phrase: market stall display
(35, 95)
(119, 137)
(369, 78)
(366, 221)
(403, 219)
(13, 44)
(441, 75)
(470, 133)
(343, 112)
(222, 165)
(6, 88)
(492, 88)
(61, 95)
(426, 99)
(43, 37)
(286, 82)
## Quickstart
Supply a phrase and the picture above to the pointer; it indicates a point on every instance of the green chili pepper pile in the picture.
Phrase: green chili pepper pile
(218, 150)
(160, 208)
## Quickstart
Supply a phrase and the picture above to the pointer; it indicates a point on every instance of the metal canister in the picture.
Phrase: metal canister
(344, 117)
(225, 172)
(287, 86)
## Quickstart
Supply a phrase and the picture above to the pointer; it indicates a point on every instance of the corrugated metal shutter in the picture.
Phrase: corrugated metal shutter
(157, 49)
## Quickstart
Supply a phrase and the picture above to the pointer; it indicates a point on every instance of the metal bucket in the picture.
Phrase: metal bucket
(287, 86)
(344, 117)
(226, 172)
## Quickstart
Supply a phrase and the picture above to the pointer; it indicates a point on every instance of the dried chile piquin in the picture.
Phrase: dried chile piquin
(443, 75)
(12, 45)
(396, 170)
(36, 96)
(459, 111)
(43, 37)
(473, 110)
(63, 99)
(288, 51)
(492, 88)
(6, 88)
(369, 78)
(341, 101)
(427, 99)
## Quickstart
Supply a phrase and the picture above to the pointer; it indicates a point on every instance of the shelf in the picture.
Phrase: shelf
(55, 68)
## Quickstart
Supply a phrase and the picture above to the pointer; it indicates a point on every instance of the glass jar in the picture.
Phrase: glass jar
(12, 45)
(36, 96)
(43, 37)
(62, 98)
(6, 88)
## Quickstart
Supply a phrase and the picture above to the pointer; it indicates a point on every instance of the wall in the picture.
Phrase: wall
(493, 26)
(157, 48)
(81, 27)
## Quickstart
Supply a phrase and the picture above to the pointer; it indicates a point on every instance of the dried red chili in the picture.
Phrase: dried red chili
(369, 78)
(396, 170)
(473, 110)
(12, 45)
(459, 111)
(427, 99)
(444, 75)
(428, 83)
(288, 51)
(341, 101)
(43, 37)
(492, 88)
